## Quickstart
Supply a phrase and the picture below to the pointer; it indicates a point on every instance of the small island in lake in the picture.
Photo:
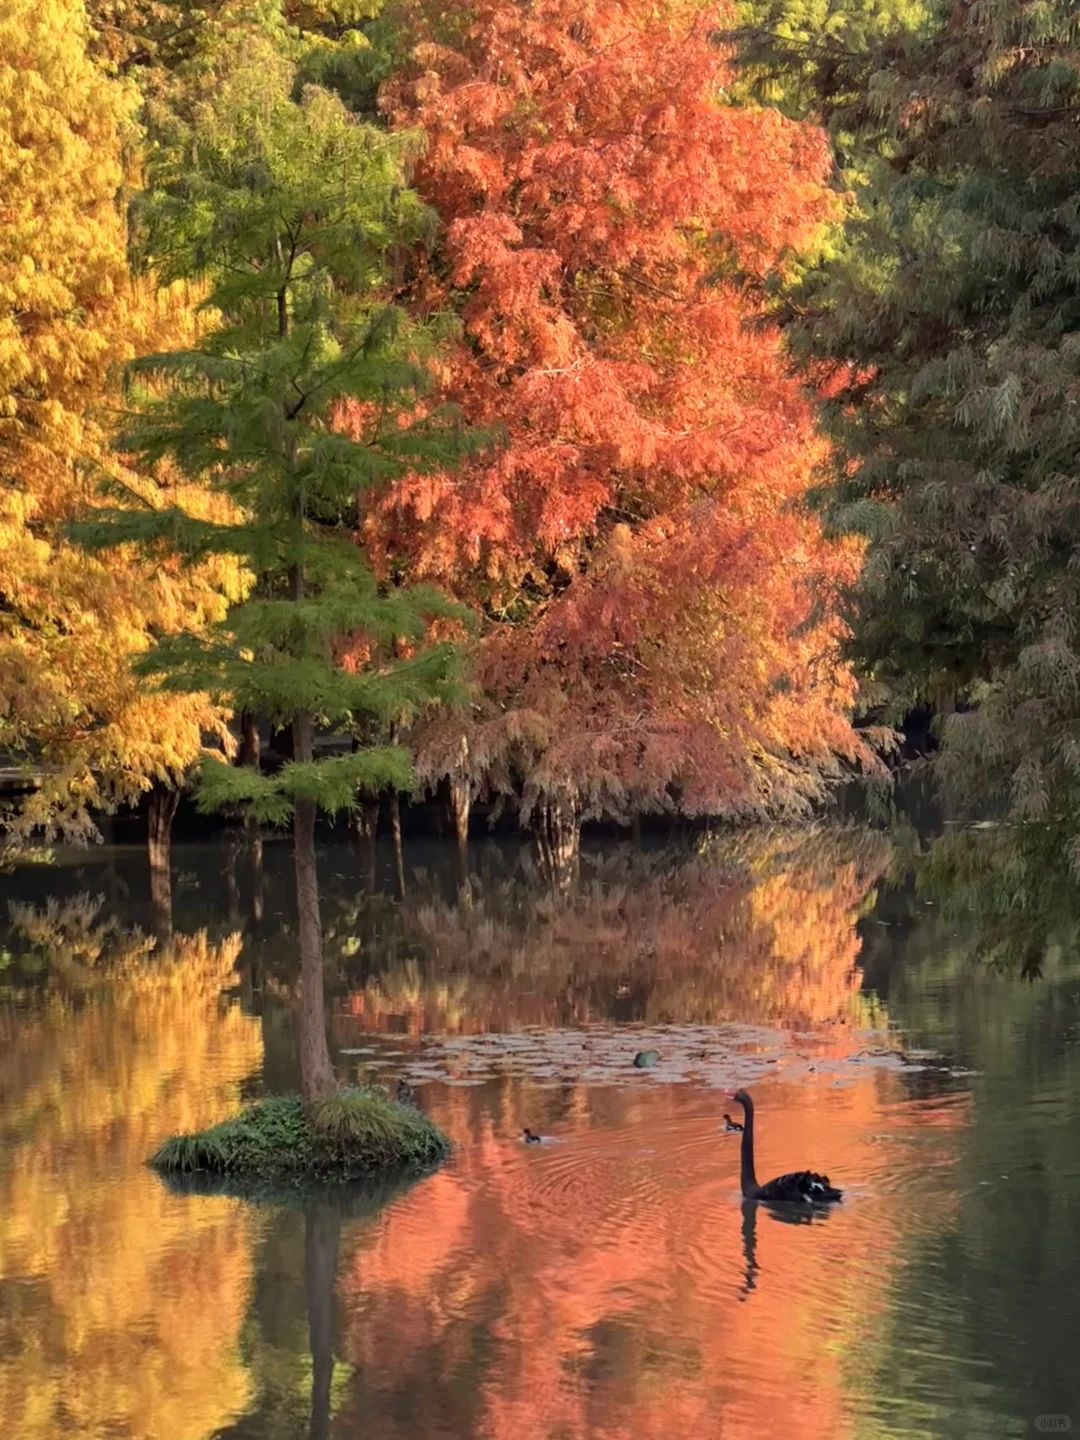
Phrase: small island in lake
(352, 1134)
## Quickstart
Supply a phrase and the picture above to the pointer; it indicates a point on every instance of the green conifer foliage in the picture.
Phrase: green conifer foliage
(288, 208)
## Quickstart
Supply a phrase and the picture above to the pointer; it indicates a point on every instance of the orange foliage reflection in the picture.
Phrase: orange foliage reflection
(756, 930)
(611, 1284)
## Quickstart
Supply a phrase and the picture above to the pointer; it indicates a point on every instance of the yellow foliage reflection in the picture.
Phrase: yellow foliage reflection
(123, 1303)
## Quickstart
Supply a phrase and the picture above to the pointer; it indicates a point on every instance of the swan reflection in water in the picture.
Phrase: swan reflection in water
(788, 1215)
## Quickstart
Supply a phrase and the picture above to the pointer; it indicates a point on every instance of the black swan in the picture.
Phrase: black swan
(732, 1126)
(529, 1137)
(801, 1186)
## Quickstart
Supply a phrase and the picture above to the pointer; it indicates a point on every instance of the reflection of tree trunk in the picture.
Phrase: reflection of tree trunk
(460, 805)
(161, 804)
(254, 844)
(316, 1073)
(161, 899)
(232, 888)
(556, 839)
(322, 1233)
(749, 1240)
(395, 831)
(366, 824)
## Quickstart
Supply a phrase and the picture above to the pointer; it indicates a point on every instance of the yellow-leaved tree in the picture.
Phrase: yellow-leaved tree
(71, 314)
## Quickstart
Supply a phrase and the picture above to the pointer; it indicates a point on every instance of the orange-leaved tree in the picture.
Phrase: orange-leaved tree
(662, 627)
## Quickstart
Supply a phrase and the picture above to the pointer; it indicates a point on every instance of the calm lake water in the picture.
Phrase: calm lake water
(606, 1283)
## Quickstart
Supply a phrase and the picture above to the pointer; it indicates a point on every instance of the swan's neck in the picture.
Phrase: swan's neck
(749, 1179)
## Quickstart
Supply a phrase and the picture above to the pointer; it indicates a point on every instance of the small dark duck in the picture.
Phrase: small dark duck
(530, 1137)
(731, 1126)
(405, 1094)
(646, 1059)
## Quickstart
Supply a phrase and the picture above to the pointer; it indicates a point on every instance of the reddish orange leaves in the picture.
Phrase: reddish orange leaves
(662, 609)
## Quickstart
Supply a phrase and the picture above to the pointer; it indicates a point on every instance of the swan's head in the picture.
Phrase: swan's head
(741, 1098)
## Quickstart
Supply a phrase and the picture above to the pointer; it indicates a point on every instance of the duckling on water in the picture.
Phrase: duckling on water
(646, 1059)
(732, 1126)
(530, 1137)
(405, 1094)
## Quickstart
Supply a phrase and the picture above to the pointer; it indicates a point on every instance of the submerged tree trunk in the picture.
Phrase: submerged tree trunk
(556, 831)
(395, 831)
(322, 1233)
(316, 1072)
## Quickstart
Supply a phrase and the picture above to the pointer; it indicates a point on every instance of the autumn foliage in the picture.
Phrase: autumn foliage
(71, 314)
(657, 597)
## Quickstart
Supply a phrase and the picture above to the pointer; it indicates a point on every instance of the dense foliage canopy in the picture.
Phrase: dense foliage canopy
(630, 214)
(661, 627)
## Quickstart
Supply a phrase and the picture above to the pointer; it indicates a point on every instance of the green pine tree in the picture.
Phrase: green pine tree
(289, 208)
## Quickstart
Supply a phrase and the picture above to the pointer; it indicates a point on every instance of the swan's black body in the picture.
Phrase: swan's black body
(801, 1187)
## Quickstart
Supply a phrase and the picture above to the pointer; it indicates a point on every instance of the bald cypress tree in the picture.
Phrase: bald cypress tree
(288, 208)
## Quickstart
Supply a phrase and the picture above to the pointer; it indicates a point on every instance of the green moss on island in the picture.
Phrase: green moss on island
(352, 1135)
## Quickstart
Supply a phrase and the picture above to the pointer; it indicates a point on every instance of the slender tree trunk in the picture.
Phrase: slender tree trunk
(250, 746)
(395, 831)
(249, 754)
(322, 1234)
(316, 1072)
(161, 805)
(556, 832)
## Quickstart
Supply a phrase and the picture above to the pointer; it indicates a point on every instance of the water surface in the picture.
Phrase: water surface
(606, 1283)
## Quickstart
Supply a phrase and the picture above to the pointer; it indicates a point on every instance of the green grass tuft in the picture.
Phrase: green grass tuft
(352, 1135)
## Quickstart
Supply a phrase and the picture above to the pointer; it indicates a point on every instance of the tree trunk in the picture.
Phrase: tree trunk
(161, 805)
(249, 754)
(322, 1233)
(316, 1072)
(557, 840)
(395, 831)
(250, 747)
